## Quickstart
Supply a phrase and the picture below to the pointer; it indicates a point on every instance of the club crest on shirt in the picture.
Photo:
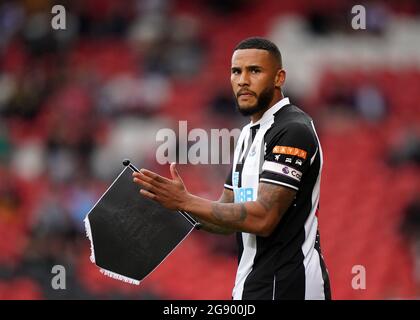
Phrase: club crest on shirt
(253, 151)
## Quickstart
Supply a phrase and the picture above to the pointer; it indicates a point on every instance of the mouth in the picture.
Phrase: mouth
(246, 94)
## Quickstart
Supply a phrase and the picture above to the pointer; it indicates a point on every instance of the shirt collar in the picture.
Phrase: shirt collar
(271, 111)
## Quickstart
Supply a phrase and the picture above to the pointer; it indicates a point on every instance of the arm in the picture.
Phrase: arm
(226, 197)
(258, 217)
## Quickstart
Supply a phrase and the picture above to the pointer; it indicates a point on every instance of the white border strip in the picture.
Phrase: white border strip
(118, 276)
(87, 222)
(89, 236)
(274, 288)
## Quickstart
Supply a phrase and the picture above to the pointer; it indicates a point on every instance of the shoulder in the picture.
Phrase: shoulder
(291, 121)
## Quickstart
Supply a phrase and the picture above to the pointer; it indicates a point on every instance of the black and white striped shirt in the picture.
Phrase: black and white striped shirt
(281, 148)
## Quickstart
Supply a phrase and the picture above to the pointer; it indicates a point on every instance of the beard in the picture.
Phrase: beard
(263, 101)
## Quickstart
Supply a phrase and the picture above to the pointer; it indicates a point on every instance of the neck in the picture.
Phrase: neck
(257, 116)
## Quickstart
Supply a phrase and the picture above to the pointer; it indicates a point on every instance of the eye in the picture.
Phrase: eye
(255, 71)
(236, 71)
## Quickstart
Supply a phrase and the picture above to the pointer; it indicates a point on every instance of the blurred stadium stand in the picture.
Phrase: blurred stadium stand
(74, 103)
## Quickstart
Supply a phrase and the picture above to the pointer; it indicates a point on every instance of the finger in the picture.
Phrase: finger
(143, 177)
(145, 185)
(153, 175)
(147, 194)
(174, 172)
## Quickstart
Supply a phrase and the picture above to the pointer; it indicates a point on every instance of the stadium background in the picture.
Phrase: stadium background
(73, 103)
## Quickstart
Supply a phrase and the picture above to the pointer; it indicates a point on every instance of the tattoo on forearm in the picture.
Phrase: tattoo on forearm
(210, 227)
(227, 197)
(229, 212)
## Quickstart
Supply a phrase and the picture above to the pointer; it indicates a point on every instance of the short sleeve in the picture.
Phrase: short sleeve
(288, 155)
(228, 182)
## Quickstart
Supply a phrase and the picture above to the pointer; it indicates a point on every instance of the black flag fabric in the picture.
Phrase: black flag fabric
(131, 235)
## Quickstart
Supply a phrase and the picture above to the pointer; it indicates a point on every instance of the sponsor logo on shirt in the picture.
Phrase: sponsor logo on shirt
(290, 151)
(299, 162)
(243, 194)
(282, 169)
(289, 160)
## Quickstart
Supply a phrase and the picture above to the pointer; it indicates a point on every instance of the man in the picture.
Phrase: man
(271, 195)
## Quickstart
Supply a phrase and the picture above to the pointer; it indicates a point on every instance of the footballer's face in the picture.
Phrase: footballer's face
(255, 77)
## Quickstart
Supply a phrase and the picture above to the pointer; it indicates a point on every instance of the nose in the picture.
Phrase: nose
(243, 79)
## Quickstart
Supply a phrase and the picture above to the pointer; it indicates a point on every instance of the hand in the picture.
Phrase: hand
(172, 194)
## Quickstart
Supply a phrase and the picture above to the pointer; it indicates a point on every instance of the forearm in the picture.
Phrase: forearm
(213, 228)
(226, 197)
(258, 217)
(244, 217)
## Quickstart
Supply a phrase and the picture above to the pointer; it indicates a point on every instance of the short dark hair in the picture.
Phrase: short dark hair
(263, 44)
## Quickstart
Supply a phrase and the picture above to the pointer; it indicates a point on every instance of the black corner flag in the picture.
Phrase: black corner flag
(131, 235)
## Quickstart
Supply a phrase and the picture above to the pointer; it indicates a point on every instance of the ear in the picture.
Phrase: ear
(280, 78)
